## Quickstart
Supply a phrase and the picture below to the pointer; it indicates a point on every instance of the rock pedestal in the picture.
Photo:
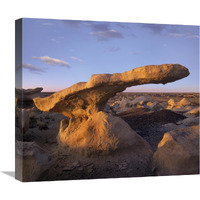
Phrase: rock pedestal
(88, 128)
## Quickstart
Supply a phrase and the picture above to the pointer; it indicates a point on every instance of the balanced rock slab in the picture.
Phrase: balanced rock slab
(85, 99)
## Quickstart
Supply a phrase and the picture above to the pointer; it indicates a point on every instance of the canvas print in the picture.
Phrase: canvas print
(105, 99)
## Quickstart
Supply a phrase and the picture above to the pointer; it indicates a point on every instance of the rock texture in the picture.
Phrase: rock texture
(23, 95)
(183, 102)
(82, 101)
(103, 133)
(31, 161)
(178, 152)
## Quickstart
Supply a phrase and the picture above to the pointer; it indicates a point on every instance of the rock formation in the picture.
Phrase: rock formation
(178, 152)
(171, 104)
(103, 133)
(88, 128)
(194, 112)
(140, 100)
(26, 96)
(183, 102)
(31, 161)
(155, 106)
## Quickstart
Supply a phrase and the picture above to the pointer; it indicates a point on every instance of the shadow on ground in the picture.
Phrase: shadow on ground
(9, 173)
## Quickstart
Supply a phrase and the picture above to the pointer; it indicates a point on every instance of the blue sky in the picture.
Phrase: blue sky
(60, 53)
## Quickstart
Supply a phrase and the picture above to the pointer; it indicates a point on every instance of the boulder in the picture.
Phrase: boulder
(178, 152)
(140, 100)
(124, 105)
(164, 104)
(193, 112)
(183, 102)
(171, 104)
(155, 106)
(103, 133)
(169, 127)
(31, 161)
(107, 109)
(83, 101)
(191, 121)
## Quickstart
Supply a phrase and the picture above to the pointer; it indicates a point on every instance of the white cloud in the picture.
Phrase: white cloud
(52, 61)
(106, 34)
(30, 67)
(74, 58)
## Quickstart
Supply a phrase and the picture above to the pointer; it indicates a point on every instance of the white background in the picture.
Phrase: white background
(152, 11)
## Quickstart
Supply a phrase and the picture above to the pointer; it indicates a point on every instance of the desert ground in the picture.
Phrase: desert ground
(153, 115)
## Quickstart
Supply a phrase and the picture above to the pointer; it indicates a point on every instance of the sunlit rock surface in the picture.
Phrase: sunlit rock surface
(82, 102)
(102, 132)
(178, 152)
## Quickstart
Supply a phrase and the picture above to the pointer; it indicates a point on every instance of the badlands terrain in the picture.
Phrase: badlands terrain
(94, 130)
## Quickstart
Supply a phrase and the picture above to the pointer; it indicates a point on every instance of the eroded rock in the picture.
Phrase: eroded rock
(103, 133)
(31, 161)
(155, 106)
(25, 97)
(82, 102)
(183, 102)
(171, 104)
(178, 152)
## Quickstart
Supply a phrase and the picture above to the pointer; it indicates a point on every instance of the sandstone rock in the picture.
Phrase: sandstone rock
(181, 110)
(101, 133)
(194, 111)
(123, 105)
(107, 109)
(178, 152)
(100, 88)
(27, 95)
(31, 161)
(164, 104)
(190, 121)
(169, 127)
(126, 104)
(82, 102)
(140, 100)
(184, 102)
(155, 106)
(171, 104)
